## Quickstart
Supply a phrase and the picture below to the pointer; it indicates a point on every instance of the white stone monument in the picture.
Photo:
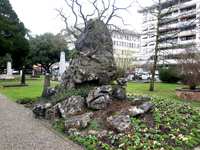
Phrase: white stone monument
(62, 66)
(8, 74)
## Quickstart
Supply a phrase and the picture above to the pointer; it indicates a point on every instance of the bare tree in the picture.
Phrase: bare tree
(98, 9)
(189, 62)
(162, 31)
(123, 62)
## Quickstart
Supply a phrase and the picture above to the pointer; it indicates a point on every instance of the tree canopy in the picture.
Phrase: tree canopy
(45, 49)
(12, 36)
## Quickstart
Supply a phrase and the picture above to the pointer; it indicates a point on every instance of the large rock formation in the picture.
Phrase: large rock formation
(94, 64)
(99, 98)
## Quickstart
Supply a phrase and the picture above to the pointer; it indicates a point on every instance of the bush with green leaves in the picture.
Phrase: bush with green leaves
(86, 144)
(73, 53)
(72, 136)
(183, 128)
(61, 96)
(26, 100)
(91, 147)
(59, 125)
(169, 75)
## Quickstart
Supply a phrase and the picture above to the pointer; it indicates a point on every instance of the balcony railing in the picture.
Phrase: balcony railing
(183, 5)
(187, 32)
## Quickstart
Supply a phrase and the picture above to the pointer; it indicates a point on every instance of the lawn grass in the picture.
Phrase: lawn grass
(35, 88)
(160, 89)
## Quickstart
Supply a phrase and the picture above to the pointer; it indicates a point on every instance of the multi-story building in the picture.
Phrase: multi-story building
(179, 26)
(126, 43)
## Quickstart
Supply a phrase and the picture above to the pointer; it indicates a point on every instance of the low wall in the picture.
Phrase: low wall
(190, 95)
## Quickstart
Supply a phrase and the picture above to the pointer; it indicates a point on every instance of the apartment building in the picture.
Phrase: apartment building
(126, 43)
(179, 27)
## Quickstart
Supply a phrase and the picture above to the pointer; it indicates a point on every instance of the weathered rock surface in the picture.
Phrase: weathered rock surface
(94, 64)
(121, 123)
(50, 115)
(99, 98)
(38, 109)
(119, 92)
(143, 105)
(70, 106)
(76, 132)
(50, 92)
(139, 100)
(135, 111)
(79, 122)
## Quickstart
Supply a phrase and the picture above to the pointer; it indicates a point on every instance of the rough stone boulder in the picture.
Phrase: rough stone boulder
(121, 123)
(94, 64)
(79, 122)
(119, 92)
(139, 100)
(141, 105)
(133, 111)
(50, 92)
(99, 98)
(70, 106)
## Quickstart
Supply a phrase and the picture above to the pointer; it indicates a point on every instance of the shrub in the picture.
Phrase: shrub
(168, 75)
(72, 136)
(123, 141)
(138, 134)
(190, 145)
(74, 53)
(178, 148)
(131, 148)
(147, 144)
(193, 142)
(196, 139)
(80, 140)
(26, 100)
(174, 132)
(183, 128)
(59, 97)
(143, 126)
(164, 136)
(91, 147)
(59, 125)
(86, 144)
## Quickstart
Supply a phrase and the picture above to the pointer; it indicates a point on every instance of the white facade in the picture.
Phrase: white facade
(179, 27)
(126, 43)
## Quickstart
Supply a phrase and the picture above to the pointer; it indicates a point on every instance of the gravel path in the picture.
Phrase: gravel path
(19, 130)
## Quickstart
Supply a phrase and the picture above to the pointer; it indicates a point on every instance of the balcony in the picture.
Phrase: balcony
(183, 5)
(189, 32)
(188, 13)
(175, 7)
(187, 42)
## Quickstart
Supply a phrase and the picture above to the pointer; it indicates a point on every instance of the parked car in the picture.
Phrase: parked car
(15, 71)
(145, 76)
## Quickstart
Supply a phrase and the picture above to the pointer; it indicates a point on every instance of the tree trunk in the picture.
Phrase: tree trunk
(156, 49)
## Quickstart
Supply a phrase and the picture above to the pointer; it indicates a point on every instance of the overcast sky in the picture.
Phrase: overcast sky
(39, 16)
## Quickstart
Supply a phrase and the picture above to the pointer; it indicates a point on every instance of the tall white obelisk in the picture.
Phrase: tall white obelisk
(62, 66)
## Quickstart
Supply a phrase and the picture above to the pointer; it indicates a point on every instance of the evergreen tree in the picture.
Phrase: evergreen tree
(12, 35)
(45, 49)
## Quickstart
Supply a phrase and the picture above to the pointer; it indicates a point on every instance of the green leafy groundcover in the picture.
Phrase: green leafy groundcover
(175, 126)
(61, 96)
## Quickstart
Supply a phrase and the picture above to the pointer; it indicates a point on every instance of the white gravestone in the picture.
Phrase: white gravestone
(9, 74)
(62, 66)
